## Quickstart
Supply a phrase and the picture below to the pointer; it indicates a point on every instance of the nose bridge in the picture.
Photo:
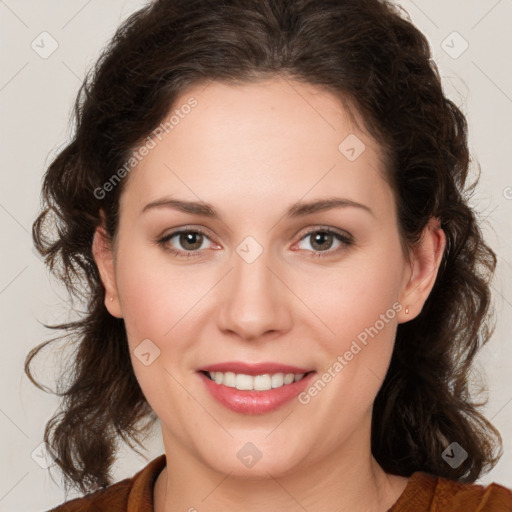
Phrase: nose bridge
(251, 266)
(253, 303)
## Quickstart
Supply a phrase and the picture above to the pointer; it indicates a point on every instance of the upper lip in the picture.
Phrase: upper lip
(253, 369)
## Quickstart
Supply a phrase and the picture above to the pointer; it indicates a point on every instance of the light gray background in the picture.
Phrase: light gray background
(36, 97)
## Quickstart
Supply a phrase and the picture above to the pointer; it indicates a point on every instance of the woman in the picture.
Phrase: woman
(267, 203)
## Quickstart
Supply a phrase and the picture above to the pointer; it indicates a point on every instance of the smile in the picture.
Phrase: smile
(254, 388)
(262, 382)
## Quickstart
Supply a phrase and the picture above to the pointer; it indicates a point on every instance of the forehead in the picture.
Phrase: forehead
(274, 139)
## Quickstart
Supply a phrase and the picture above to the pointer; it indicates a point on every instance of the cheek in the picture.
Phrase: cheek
(157, 301)
(155, 295)
(360, 309)
(358, 292)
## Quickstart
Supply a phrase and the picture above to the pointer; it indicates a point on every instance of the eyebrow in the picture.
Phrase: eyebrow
(299, 209)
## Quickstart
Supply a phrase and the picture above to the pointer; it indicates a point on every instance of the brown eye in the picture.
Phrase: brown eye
(189, 242)
(322, 241)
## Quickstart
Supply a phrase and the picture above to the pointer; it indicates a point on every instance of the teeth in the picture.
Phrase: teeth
(289, 378)
(255, 383)
(229, 379)
(262, 382)
(245, 382)
(277, 380)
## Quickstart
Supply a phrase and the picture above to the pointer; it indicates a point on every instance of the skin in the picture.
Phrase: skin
(252, 151)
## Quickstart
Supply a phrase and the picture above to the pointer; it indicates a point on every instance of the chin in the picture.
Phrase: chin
(253, 461)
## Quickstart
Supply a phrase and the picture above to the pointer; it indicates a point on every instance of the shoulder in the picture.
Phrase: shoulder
(436, 494)
(114, 498)
(459, 496)
(135, 493)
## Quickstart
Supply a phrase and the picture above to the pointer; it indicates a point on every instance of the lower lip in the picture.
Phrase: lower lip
(255, 402)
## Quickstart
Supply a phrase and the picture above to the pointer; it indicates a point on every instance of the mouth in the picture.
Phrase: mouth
(254, 388)
(261, 382)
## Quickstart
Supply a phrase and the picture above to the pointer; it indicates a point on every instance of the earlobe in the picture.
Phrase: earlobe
(104, 257)
(426, 257)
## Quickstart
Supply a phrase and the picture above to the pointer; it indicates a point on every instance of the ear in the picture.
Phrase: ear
(425, 259)
(103, 252)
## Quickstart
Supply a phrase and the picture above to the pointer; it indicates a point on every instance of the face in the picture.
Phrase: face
(265, 286)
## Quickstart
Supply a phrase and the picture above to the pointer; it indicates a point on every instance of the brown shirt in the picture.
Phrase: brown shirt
(423, 493)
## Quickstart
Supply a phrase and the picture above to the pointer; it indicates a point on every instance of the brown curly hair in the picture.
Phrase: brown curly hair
(366, 51)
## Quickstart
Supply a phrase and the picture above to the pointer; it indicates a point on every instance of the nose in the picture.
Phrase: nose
(255, 300)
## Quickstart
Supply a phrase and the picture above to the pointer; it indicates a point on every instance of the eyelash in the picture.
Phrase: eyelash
(344, 239)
